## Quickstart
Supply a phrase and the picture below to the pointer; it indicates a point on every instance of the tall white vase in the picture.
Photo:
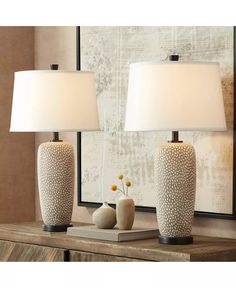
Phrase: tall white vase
(175, 173)
(56, 184)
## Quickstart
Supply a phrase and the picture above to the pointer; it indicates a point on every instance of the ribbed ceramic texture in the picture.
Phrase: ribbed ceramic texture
(56, 182)
(175, 175)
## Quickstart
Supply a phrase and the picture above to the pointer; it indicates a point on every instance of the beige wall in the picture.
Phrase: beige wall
(17, 197)
(57, 45)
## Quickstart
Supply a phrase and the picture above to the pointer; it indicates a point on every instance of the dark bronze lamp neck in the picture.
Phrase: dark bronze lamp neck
(56, 137)
(175, 134)
(175, 137)
(55, 134)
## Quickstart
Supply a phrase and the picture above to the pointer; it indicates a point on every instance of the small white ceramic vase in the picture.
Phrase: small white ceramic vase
(104, 217)
(125, 212)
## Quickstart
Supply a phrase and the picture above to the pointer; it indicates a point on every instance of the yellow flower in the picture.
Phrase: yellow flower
(120, 177)
(128, 183)
(113, 187)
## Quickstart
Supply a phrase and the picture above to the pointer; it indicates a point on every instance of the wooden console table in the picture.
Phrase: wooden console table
(27, 242)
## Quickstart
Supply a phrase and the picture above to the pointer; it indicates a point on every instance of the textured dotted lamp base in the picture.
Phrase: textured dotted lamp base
(175, 172)
(56, 184)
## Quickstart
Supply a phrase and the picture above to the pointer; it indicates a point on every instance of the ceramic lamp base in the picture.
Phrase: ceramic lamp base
(175, 171)
(56, 184)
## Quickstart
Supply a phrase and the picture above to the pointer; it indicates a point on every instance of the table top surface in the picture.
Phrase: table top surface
(203, 249)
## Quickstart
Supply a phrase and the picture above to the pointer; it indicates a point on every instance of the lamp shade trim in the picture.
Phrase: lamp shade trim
(172, 63)
(54, 71)
(208, 129)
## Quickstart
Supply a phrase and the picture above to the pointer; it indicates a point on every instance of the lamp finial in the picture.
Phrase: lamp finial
(174, 57)
(54, 66)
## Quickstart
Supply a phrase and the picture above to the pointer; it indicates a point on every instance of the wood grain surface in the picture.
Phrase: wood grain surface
(76, 256)
(10, 251)
(203, 249)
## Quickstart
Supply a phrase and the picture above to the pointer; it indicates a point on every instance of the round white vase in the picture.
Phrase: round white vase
(175, 173)
(56, 184)
(104, 217)
(125, 212)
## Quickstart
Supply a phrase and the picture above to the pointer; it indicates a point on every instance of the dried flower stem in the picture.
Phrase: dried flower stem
(121, 191)
(123, 187)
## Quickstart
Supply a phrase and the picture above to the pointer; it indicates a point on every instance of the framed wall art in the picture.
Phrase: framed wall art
(102, 155)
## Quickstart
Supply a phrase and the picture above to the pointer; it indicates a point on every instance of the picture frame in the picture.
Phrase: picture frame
(83, 203)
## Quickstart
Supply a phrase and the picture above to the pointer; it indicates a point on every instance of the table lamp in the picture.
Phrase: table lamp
(54, 101)
(175, 96)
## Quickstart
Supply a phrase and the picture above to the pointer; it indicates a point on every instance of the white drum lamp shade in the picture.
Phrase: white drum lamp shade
(54, 101)
(175, 96)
